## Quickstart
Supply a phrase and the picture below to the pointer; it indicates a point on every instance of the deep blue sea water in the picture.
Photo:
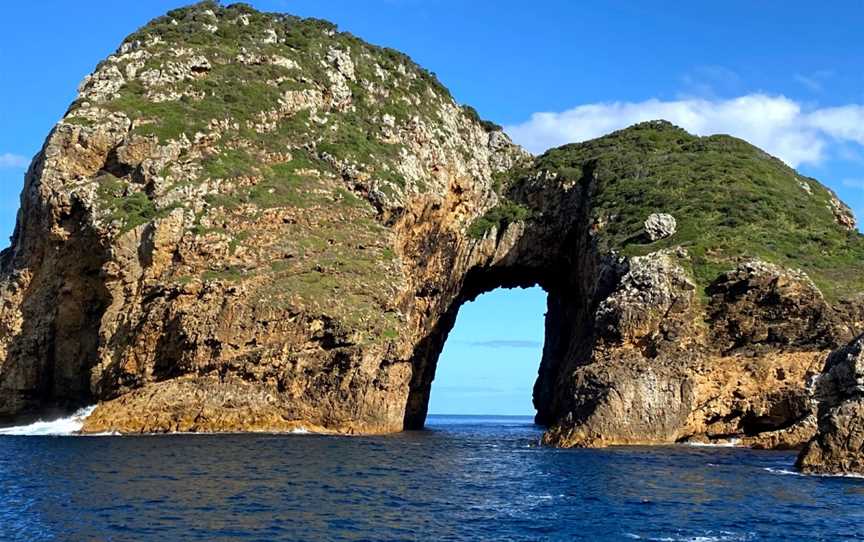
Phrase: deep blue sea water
(465, 478)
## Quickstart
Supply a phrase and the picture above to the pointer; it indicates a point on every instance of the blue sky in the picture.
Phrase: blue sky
(788, 76)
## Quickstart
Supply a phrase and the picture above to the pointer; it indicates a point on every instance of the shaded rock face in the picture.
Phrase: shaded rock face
(760, 306)
(253, 222)
(838, 446)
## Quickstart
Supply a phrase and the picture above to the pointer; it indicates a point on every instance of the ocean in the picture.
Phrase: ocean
(464, 478)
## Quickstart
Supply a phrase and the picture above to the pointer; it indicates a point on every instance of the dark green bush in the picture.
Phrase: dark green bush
(500, 216)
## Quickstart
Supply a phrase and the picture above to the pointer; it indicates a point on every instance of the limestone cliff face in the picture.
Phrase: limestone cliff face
(229, 227)
(250, 221)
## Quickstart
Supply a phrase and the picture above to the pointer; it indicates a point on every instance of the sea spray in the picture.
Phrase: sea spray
(69, 425)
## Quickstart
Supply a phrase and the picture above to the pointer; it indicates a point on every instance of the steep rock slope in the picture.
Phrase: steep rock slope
(224, 230)
(251, 221)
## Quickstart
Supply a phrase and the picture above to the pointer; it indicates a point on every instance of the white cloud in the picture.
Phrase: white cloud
(781, 126)
(8, 160)
(843, 123)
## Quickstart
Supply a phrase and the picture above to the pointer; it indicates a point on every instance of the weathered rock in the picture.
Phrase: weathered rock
(842, 213)
(838, 446)
(758, 305)
(272, 225)
(656, 374)
(246, 268)
(648, 298)
(660, 226)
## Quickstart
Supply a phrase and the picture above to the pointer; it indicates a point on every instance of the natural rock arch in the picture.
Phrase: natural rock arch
(281, 237)
(553, 256)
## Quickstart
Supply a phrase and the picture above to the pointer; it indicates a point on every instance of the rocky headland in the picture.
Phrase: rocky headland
(251, 221)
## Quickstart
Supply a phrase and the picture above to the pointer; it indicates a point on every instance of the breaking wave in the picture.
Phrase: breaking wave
(70, 425)
(728, 443)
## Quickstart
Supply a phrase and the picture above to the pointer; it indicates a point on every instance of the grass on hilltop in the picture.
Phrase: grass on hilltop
(730, 199)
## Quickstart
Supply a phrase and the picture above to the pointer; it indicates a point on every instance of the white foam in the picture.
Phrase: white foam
(730, 443)
(721, 536)
(787, 472)
(70, 425)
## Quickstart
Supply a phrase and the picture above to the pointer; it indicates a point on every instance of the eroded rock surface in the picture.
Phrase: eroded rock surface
(251, 221)
(659, 371)
(838, 446)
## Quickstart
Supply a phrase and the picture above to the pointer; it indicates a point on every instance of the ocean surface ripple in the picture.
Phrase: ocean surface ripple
(464, 478)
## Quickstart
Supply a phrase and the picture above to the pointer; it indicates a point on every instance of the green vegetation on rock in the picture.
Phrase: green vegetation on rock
(282, 139)
(730, 199)
(500, 216)
(128, 209)
(488, 125)
(250, 61)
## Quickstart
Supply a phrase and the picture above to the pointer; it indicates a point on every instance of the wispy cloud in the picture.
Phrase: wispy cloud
(506, 343)
(853, 183)
(814, 82)
(781, 126)
(711, 82)
(845, 123)
(15, 161)
(811, 83)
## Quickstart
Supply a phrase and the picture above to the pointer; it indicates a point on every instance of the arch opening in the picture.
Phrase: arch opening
(557, 331)
(490, 359)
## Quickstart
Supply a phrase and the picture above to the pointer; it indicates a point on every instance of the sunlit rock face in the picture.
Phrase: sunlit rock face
(251, 221)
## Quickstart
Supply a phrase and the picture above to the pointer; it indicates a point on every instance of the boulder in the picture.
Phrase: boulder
(660, 226)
